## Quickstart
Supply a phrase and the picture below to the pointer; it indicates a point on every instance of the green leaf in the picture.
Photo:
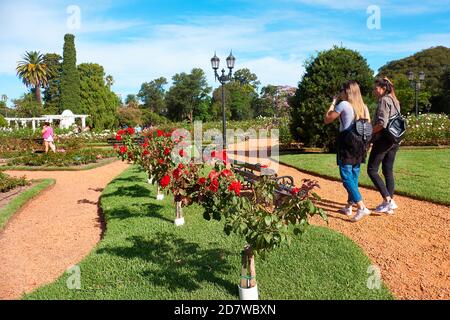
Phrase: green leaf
(268, 220)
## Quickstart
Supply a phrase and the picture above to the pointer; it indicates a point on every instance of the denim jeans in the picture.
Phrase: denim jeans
(350, 176)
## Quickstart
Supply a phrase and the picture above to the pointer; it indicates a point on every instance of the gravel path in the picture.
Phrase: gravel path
(411, 247)
(54, 231)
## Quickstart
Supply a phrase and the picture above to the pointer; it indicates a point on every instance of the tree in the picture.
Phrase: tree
(187, 95)
(109, 81)
(433, 61)
(239, 99)
(34, 72)
(129, 116)
(324, 75)
(96, 98)
(27, 106)
(70, 78)
(445, 95)
(131, 100)
(3, 122)
(152, 95)
(52, 92)
(245, 76)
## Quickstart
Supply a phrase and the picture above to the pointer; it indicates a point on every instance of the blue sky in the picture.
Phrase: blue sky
(138, 41)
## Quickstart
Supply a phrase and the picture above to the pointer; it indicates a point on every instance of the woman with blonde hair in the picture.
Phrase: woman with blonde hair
(349, 107)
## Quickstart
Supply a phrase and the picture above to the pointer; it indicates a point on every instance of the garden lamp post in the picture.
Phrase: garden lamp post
(4, 100)
(224, 78)
(416, 84)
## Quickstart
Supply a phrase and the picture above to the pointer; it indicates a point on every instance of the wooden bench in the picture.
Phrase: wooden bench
(254, 172)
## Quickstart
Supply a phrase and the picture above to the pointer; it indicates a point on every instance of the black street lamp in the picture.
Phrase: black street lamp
(416, 84)
(224, 78)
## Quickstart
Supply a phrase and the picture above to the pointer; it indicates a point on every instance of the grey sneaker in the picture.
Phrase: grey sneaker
(361, 213)
(384, 207)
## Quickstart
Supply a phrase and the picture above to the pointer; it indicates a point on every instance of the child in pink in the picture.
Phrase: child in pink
(47, 135)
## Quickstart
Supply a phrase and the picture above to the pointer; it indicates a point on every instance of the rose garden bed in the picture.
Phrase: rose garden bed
(144, 256)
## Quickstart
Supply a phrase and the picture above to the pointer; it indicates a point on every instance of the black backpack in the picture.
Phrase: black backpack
(354, 142)
(396, 126)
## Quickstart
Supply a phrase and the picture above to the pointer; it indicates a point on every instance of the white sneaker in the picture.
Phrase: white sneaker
(384, 207)
(393, 205)
(346, 210)
(361, 213)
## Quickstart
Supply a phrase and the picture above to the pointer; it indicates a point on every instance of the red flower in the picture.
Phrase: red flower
(213, 154)
(176, 173)
(236, 187)
(120, 132)
(160, 133)
(146, 152)
(181, 166)
(202, 181)
(182, 153)
(226, 173)
(166, 151)
(214, 186)
(161, 161)
(119, 137)
(213, 175)
(294, 191)
(123, 150)
(130, 131)
(164, 181)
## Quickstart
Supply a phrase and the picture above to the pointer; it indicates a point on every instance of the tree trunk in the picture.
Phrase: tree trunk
(248, 273)
(37, 90)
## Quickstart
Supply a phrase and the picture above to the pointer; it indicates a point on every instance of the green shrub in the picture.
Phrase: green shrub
(324, 76)
(3, 122)
(8, 183)
(427, 130)
(63, 159)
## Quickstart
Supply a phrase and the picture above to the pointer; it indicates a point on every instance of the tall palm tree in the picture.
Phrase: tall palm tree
(34, 72)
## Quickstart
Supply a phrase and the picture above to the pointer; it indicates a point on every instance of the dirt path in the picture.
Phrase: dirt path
(411, 247)
(54, 231)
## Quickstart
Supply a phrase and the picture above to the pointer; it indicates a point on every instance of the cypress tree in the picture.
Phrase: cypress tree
(70, 78)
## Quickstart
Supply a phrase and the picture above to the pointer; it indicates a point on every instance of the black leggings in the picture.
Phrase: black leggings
(385, 155)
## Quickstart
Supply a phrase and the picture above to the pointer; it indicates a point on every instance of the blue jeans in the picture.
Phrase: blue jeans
(350, 176)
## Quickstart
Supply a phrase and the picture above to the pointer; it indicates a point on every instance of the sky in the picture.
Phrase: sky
(138, 41)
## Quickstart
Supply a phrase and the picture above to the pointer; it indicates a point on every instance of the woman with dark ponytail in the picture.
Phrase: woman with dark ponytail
(384, 149)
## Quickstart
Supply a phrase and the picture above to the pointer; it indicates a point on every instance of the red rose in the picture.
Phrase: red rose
(226, 173)
(120, 132)
(214, 186)
(181, 166)
(160, 133)
(213, 154)
(123, 150)
(213, 175)
(294, 191)
(176, 173)
(119, 137)
(236, 187)
(130, 131)
(146, 152)
(182, 153)
(166, 151)
(164, 181)
(202, 181)
(161, 161)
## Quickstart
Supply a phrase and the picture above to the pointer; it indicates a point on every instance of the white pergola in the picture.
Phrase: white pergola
(67, 119)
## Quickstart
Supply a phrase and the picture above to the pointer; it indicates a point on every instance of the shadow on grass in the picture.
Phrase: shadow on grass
(180, 264)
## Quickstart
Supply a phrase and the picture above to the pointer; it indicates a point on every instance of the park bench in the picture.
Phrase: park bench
(254, 172)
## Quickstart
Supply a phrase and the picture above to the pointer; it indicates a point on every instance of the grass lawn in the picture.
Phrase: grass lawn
(419, 173)
(144, 256)
(11, 208)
